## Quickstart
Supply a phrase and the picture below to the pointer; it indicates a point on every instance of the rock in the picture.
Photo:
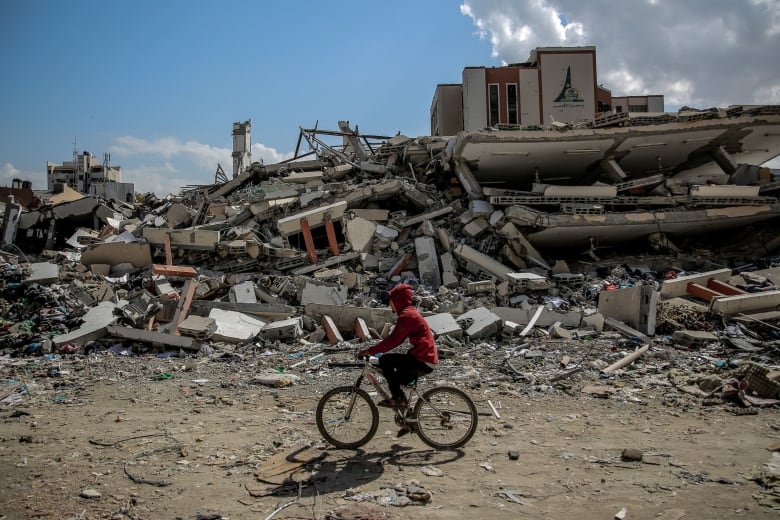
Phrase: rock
(90, 493)
(432, 472)
(631, 454)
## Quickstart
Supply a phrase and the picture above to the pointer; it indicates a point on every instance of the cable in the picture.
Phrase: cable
(17, 248)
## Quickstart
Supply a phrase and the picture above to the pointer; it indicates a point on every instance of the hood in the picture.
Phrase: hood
(401, 296)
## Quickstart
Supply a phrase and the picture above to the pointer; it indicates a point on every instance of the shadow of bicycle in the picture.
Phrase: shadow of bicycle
(341, 470)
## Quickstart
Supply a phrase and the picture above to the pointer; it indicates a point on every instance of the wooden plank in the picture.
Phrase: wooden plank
(184, 305)
(181, 271)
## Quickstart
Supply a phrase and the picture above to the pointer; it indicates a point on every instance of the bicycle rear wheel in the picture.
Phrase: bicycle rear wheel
(446, 418)
(347, 418)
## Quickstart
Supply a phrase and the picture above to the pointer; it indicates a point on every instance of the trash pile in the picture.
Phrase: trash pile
(295, 257)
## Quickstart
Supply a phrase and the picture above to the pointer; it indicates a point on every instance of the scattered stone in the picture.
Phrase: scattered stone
(90, 493)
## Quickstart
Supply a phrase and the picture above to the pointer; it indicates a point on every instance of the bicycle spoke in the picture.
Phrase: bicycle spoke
(347, 419)
(446, 418)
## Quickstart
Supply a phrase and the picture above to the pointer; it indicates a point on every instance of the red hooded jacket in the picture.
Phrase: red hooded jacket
(410, 324)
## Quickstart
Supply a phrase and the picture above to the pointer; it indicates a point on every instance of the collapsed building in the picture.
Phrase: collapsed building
(481, 224)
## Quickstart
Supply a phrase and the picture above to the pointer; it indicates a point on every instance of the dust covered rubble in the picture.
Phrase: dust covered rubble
(286, 265)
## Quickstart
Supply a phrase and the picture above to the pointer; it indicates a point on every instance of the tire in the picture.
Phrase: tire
(348, 434)
(446, 418)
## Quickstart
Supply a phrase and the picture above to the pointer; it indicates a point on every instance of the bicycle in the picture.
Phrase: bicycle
(444, 417)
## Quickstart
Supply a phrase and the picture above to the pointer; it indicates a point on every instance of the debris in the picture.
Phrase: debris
(631, 454)
(626, 360)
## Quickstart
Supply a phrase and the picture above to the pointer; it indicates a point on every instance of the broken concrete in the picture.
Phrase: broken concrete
(115, 253)
(95, 326)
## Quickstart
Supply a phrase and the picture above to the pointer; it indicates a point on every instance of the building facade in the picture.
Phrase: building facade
(90, 176)
(556, 84)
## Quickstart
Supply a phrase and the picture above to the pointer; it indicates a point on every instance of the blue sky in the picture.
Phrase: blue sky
(158, 84)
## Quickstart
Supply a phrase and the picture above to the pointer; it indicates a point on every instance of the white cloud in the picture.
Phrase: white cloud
(267, 154)
(183, 163)
(159, 179)
(696, 53)
(203, 155)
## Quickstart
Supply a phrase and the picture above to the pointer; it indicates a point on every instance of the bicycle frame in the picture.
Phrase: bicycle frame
(369, 374)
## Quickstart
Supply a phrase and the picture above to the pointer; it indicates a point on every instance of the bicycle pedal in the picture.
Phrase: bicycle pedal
(404, 431)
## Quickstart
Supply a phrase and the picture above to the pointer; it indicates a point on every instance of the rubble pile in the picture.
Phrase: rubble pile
(294, 259)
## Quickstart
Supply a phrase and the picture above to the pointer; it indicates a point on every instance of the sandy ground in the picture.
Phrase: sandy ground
(110, 437)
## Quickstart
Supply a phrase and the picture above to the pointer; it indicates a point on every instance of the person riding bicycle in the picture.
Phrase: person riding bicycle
(402, 369)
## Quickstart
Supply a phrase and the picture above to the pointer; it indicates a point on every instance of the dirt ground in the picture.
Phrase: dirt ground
(112, 437)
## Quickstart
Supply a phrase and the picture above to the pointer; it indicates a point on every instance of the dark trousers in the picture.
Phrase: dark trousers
(401, 369)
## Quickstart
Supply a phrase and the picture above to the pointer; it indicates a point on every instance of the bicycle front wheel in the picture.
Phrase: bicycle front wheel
(347, 418)
(446, 418)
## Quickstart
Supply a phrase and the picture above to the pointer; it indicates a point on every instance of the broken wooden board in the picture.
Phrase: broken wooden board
(180, 271)
(283, 466)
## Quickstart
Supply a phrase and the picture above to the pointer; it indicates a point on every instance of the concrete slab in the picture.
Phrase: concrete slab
(197, 326)
(95, 326)
(375, 215)
(315, 217)
(476, 227)
(178, 215)
(288, 329)
(153, 337)
(725, 191)
(323, 294)
(444, 324)
(44, 273)
(270, 311)
(635, 306)
(679, 286)
(428, 262)
(235, 327)
(480, 208)
(76, 208)
(304, 177)
(334, 260)
(477, 261)
(529, 281)
(191, 239)
(345, 316)
(580, 191)
(243, 293)
(746, 303)
(480, 323)
(114, 253)
(360, 233)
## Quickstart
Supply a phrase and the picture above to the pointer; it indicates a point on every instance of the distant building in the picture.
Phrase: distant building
(242, 147)
(555, 84)
(89, 176)
(22, 194)
(638, 104)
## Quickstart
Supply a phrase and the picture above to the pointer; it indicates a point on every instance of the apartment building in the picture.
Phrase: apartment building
(554, 84)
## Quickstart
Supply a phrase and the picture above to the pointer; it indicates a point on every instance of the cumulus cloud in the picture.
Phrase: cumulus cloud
(697, 53)
(203, 155)
(181, 163)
